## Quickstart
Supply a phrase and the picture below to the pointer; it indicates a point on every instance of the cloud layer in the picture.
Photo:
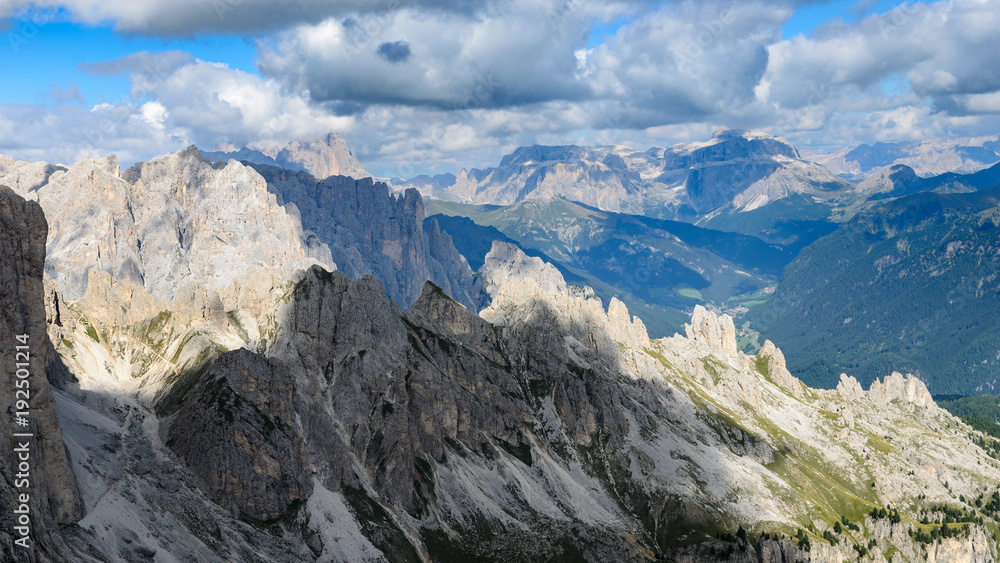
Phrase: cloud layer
(434, 85)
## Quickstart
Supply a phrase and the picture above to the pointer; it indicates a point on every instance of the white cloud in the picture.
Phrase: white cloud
(436, 89)
(175, 100)
(523, 52)
(154, 113)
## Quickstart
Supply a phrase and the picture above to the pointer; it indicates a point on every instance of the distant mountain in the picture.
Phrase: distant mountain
(658, 267)
(913, 284)
(728, 183)
(899, 180)
(426, 185)
(927, 158)
(324, 157)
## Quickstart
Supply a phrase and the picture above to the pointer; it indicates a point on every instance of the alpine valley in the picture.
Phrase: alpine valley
(240, 356)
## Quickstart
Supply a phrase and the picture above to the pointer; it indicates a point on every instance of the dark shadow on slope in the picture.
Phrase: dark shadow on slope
(408, 399)
(371, 230)
(474, 241)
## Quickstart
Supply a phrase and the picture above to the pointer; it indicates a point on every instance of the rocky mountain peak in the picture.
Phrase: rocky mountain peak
(176, 219)
(737, 143)
(323, 157)
(25, 177)
(849, 387)
(905, 388)
(715, 332)
(777, 369)
(370, 229)
(506, 261)
(894, 177)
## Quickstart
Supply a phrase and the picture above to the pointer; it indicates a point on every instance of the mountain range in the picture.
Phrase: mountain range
(724, 183)
(928, 158)
(235, 361)
(544, 428)
(838, 278)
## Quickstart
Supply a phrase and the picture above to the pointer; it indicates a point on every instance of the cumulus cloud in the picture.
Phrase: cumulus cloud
(175, 100)
(66, 134)
(435, 85)
(945, 50)
(174, 18)
(686, 63)
(522, 52)
(214, 104)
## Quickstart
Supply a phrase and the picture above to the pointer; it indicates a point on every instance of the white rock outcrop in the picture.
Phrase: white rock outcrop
(716, 333)
(897, 387)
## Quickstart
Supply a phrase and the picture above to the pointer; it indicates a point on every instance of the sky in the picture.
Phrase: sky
(432, 86)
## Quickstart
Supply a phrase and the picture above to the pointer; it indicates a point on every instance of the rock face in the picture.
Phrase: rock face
(778, 371)
(324, 157)
(506, 263)
(891, 178)
(222, 219)
(896, 387)
(180, 221)
(715, 333)
(372, 231)
(162, 224)
(45, 479)
(235, 431)
(23, 177)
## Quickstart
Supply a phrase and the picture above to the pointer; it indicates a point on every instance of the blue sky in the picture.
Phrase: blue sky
(470, 81)
(44, 56)
(48, 54)
(809, 16)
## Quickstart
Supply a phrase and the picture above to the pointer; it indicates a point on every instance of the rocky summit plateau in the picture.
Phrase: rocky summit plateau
(239, 362)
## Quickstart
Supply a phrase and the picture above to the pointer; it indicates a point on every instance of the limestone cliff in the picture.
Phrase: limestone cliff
(181, 220)
(46, 478)
(370, 230)
(165, 223)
